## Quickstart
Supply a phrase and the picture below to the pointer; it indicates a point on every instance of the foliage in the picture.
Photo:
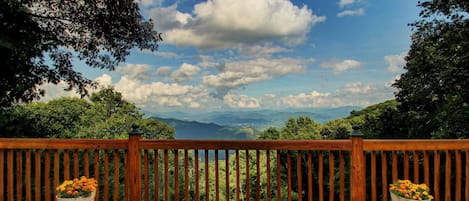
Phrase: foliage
(39, 39)
(106, 116)
(433, 92)
(301, 128)
(82, 187)
(337, 129)
(409, 190)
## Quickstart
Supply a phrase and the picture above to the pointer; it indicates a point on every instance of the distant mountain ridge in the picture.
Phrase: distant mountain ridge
(198, 130)
(258, 119)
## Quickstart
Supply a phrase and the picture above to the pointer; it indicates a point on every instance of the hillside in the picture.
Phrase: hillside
(198, 130)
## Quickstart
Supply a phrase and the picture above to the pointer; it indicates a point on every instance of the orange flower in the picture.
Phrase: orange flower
(77, 187)
(407, 189)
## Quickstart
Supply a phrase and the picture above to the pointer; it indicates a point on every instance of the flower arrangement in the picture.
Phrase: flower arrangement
(407, 189)
(83, 187)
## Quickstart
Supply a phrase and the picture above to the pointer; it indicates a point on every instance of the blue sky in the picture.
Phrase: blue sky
(264, 54)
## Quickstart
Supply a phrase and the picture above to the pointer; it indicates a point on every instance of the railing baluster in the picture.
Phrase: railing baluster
(176, 174)
(331, 176)
(458, 176)
(146, 176)
(342, 176)
(186, 175)
(321, 176)
(436, 179)
(86, 163)
(298, 175)
(95, 168)
(19, 175)
(37, 174)
(406, 164)
(237, 176)
(384, 175)
(217, 185)
(426, 169)
(10, 175)
(56, 167)
(156, 174)
(196, 161)
(66, 164)
(373, 176)
(207, 192)
(166, 175)
(76, 168)
(248, 179)
(258, 176)
(268, 193)
(27, 175)
(106, 175)
(416, 166)
(279, 183)
(116, 174)
(2, 174)
(227, 174)
(126, 176)
(394, 166)
(467, 174)
(47, 175)
(448, 176)
(289, 184)
(310, 176)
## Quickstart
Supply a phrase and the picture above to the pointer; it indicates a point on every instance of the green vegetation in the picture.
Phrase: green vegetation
(106, 115)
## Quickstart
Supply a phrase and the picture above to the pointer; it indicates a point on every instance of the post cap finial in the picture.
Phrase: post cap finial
(356, 130)
(135, 130)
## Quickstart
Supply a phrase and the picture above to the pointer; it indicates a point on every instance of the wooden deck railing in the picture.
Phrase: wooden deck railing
(136, 169)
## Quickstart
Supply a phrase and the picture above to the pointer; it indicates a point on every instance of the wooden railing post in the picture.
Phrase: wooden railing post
(134, 165)
(357, 174)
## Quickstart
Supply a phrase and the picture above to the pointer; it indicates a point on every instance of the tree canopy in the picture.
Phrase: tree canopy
(433, 92)
(39, 39)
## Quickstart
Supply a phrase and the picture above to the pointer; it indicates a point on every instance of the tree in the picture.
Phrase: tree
(433, 92)
(337, 129)
(301, 128)
(39, 39)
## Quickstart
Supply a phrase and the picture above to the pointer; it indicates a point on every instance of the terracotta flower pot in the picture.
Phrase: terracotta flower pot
(89, 198)
(394, 197)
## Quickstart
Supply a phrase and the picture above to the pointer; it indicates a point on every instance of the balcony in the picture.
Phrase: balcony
(137, 169)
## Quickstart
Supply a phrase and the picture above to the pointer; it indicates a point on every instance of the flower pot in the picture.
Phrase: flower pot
(394, 197)
(89, 198)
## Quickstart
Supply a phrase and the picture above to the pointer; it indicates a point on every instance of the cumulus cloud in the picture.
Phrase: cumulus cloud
(395, 62)
(159, 94)
(135, 71)
(356, 12)
(343, 3)
(357, 94)
(185, 73)
(341, 66)
(260, 51)
(163, 71)
(218, 24)
(240, 101)
(238, 74)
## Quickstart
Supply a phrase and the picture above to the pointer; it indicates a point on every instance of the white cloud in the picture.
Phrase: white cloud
(356, 94)
(260, 51)
(395, 62)
(240, 101)
(357, 88)
(356, 12)
(238, 74)
(185, 73)
(159, 94)
(341, 66)
(163, 71)
(218, 24)
(135, 71)
(343, 3)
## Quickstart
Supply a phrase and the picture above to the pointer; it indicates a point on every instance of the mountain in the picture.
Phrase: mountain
(257, 119)
(198, 130)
